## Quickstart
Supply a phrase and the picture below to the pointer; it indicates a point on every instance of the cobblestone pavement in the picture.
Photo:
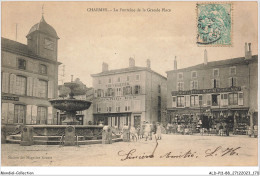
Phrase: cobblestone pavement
(172, 150)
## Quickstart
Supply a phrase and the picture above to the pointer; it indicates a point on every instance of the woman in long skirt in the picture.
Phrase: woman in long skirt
(159, 131)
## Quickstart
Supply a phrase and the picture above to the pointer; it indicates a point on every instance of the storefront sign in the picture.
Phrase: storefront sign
(117, 85)
(118, 98)
(10, 98)
(206, 91)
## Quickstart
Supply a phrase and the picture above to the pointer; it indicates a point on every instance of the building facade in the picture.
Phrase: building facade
(30, 77)
(225, 89)
(129, 96)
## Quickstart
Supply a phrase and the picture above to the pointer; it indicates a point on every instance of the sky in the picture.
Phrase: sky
(87, 38)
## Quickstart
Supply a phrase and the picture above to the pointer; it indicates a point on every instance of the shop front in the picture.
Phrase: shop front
(113, 119)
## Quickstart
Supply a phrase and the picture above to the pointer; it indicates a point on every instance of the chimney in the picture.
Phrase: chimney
(205, 57)
(175, 63)
(104, 67)
(148, 63)
(248, 51)
(131, 62)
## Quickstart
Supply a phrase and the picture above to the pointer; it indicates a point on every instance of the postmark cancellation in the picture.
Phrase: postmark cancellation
(214, 24)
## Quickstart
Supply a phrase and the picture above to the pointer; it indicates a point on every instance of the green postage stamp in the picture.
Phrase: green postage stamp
(214, 24)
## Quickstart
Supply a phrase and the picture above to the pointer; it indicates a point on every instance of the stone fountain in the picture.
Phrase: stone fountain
(70, 105)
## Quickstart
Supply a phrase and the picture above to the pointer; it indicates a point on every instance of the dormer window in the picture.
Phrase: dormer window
(22, 64)
(43, 69)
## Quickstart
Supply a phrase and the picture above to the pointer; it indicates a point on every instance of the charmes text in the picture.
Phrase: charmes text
(97, 9)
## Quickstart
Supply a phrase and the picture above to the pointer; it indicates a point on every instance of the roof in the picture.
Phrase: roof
(126, 70)
(233, 61)
(43, 27)
(21, 49)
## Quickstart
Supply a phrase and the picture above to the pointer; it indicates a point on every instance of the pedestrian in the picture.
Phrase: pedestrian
(133, 133)
(168, 128)
(227, 129)
(159, 131)
(138, 129)
(221, 129)
(147, 130)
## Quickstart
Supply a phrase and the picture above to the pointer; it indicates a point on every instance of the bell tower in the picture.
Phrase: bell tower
(42, 40)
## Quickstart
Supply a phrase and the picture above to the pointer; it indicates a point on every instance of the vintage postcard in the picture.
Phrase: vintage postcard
(129, 84)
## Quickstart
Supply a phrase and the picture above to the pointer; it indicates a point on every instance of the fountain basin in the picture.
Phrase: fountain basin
(70, 105)
(52, 134)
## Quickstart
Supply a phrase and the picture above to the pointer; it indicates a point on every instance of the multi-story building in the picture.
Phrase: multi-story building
(30, 77)
(225, 88)
(129, 96)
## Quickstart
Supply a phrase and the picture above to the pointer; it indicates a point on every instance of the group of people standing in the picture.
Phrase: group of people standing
(146, 131)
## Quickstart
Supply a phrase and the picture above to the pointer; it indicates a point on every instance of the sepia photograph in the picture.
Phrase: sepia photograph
(126, 83)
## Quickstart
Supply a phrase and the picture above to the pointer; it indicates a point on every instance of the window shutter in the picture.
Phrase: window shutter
(50, 89)
(187, 100)
(217, 82)
(234, 81)
(35, 87)
(218, 99)
(240, 99)
(4, 113)
(124, 90)
(10, 119)
(212, 83)
(230, 82)
(50, 117)
(12, 83)
(221, 100)
(29, 114)
(34, 114)
(226, 99)
(209, 99)
(109, 121)
(95, 93)
(5, 82)
(29, 86)
(174, 99)
(204, 99)
(191, 85)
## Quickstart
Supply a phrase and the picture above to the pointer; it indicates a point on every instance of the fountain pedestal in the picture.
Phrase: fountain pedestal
(70, 119)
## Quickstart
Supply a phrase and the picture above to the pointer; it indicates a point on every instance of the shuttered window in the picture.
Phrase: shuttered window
(19, 113)
(20, 85)
(41, 115)
(43, 89)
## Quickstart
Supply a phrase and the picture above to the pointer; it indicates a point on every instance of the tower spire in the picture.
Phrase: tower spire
(42, 10)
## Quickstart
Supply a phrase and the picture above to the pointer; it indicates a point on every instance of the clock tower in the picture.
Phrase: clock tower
(42, 40)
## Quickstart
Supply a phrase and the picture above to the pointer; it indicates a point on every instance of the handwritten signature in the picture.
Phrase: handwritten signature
(218, 151)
